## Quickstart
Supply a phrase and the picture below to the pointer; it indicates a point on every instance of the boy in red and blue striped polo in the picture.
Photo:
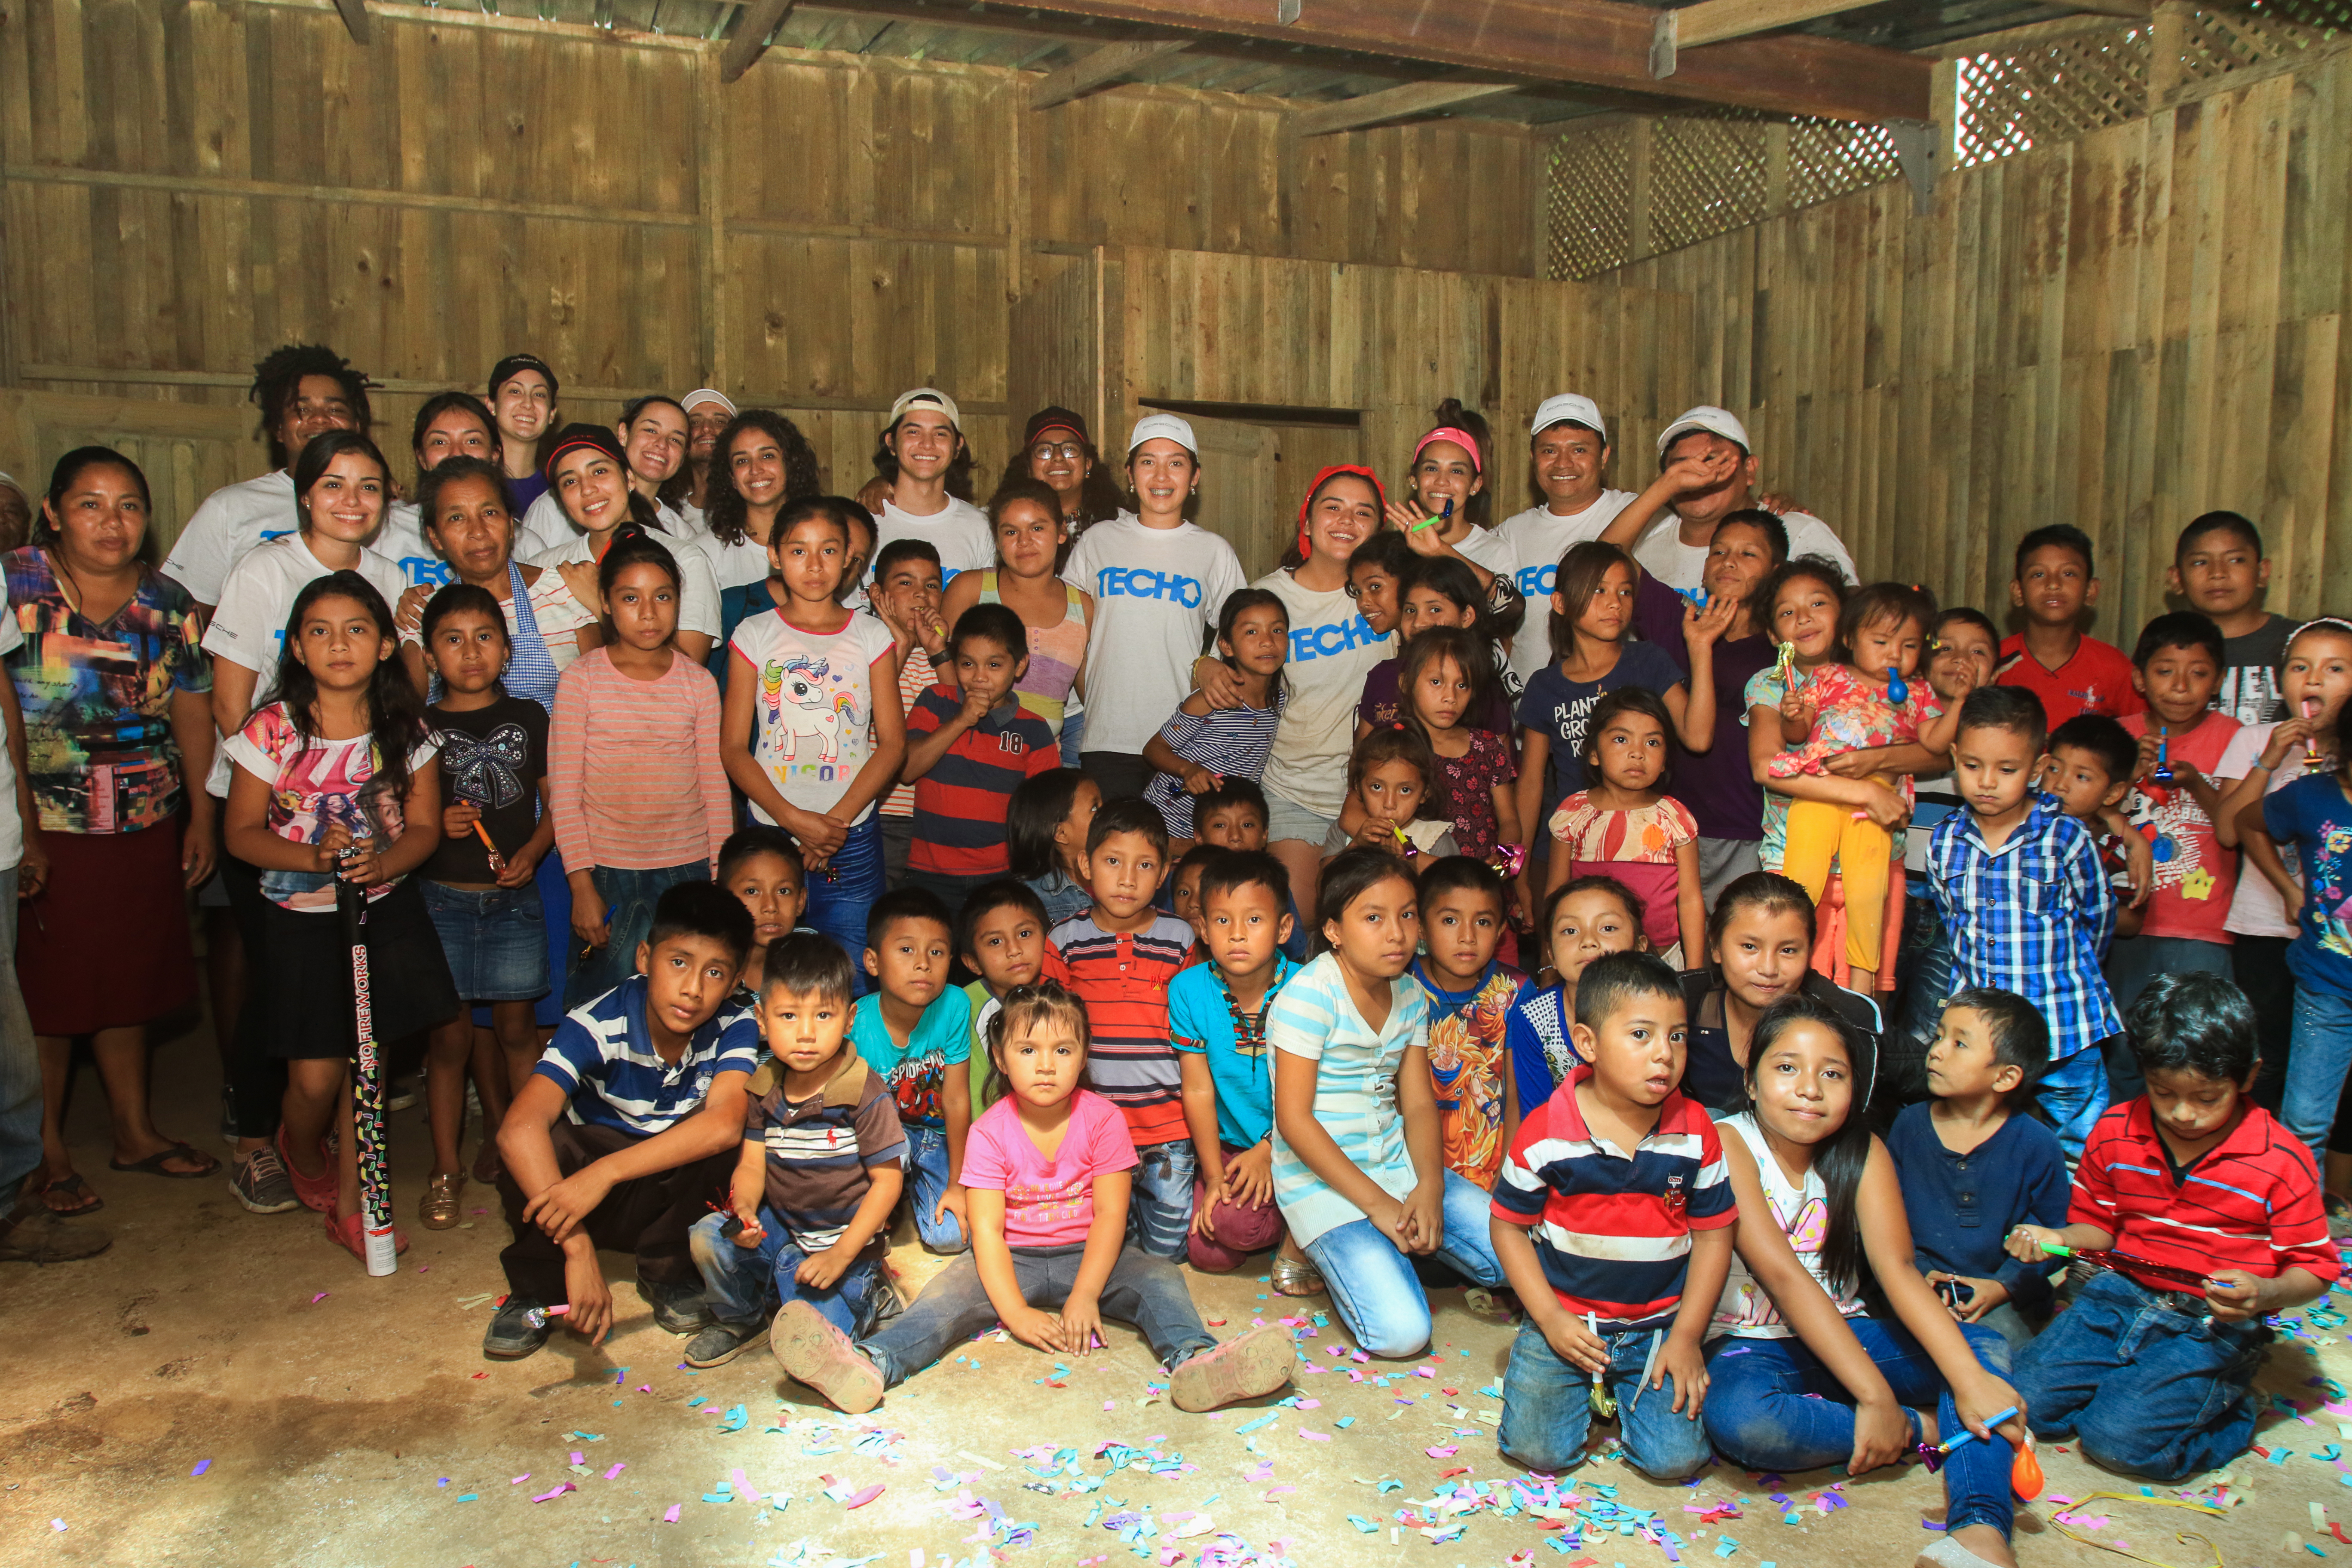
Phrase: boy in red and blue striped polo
(967, 751)
(2191, 1181)
(1613, 1218)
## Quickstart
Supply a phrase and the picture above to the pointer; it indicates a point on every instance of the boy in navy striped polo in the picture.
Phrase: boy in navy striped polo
(1613, 1219)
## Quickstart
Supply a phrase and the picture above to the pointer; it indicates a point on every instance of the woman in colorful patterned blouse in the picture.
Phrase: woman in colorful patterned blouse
(103, 656)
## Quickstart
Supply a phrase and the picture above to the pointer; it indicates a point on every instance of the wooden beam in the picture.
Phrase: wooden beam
(355, 18)
(753, 23)
(1605, 43)
(1713, 21)
(1393, 103)
(1100, 68)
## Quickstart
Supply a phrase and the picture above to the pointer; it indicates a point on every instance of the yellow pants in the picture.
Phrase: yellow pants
(1820, 834)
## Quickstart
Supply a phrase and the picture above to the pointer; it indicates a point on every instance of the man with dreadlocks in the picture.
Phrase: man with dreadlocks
(302, 390)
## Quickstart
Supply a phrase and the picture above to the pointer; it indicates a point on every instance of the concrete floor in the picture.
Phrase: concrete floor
(346, 1420)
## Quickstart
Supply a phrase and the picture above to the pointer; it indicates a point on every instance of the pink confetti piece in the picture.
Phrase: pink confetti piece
(1110, 1405)
(556, 1493)
(320, 1296)
(1423, 1371)
(519, 1480)
(644, 1388)
(617, 1469)
(860, 1499)
(1315, 1437)
(1310, 1404)
(578, 1457)
(1444, 1451)
(671, 1517)
(742, 1487)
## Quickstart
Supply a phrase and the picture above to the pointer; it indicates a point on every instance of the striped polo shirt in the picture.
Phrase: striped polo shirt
(822, 1151)
(960, 805)
(1613, 1227)
(2251, 1201)
(603, 1057)
(1122, 977)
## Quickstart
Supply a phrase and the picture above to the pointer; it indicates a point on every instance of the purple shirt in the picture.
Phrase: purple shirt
(1717, 785)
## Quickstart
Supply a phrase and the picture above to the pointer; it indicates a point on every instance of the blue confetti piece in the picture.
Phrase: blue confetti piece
(469, 1497)
(1246, 1428)
(1344, 1422)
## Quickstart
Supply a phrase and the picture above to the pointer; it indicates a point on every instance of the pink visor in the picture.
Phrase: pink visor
(1460, 438)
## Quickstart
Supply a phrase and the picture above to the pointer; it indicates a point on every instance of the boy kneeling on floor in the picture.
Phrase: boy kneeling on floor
(822, 1167)
(629, 1124)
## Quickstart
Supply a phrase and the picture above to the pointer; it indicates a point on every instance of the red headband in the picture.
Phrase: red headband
(1379, 496)
(1460, 438)
(604, 447)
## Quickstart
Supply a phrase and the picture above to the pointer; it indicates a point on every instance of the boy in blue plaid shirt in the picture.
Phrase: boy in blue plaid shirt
(2020, 888)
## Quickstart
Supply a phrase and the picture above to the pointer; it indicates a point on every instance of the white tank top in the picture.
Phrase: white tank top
(1802, 1210)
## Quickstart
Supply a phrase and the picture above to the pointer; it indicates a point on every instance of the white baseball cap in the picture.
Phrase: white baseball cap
(703, 395)
(1569, 407)
(925, 395)
(1706, 416)
(1163, 427)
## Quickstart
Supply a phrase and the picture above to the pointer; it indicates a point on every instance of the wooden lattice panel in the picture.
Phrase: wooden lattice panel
(2009, 104)
(2215, 42)
(1706, 177)
(1590, 209)
(1828, 158)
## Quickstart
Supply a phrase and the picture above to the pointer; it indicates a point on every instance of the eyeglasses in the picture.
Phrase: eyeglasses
(1068, 451)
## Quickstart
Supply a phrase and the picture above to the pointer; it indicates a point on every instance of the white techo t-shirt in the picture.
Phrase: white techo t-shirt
(248, 628)
(698, 588)
(745, 561)
(230, 521)
(1333, 649)
(1534, 541)
(401, 542)
(1155, 590)
(1682, 567)
(545, 527)
(959, 533)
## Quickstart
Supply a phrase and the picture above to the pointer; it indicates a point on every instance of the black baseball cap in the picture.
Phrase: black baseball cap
(505, 370)
(1047, 419)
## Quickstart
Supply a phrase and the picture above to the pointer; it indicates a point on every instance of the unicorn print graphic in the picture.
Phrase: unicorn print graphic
(799, 704)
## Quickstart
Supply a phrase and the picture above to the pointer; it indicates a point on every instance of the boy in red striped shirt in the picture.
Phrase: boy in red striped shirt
(967, 751)
(2192, 1180)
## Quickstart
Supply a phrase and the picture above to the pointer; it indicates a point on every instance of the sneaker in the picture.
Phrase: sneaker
(315, 1193)
(261, 1183)
(678, 1309)
(812, 1352)
(34, 1235)
(1243, 1368)
(353, 1236)
(513, 1334)
(722, 1343)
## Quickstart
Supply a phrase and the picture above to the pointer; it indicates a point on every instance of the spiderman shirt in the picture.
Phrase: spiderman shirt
(492, 758)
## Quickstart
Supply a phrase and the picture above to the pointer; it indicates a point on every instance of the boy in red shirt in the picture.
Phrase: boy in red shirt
(2072, 673)
(2194, 1181)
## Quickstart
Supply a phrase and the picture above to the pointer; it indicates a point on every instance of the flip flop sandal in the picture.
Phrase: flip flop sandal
(152, 1165)
(75, 1187)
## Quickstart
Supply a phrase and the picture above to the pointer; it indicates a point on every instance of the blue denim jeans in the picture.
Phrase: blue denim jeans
(840, 894)
(630, 898)
(2131, 964)
(745, 1284)
(927, 1164)
(20, 1063)
(1548, 1407)
(1773, 1405)
(1145, 1291)
(2318, 1051)
(2143, 1381)
(1159, 1207)
(1373, 1286)
(2074, 1096)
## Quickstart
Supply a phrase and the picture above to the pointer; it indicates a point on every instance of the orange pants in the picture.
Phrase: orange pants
(1820, 834)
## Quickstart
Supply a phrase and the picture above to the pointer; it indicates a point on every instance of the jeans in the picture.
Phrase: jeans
(2317, 1054)
(1160, 1205)
(2074, 1096)
(839, 896)
(2258, 963)
(1547, 1406)
(1773, 1405)
(1145, 1291)
(20, 1063)
(1074, 731)
(629, 900)
(927, 1164)
(1923, 967)
(1373, 1283)
(1239, 1231)
(2131, 964)
(744, 1284)
(2143, 1381)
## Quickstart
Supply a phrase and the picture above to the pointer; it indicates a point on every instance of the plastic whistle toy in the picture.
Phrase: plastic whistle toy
(536, 1317)
(1604, 1403)
(1510, 859)
(1786, 669)
(1933, 1455)
(2312, 761)
(497, 861)
(2187, 1279)
(1443, 517)
(1405, 847)
(2162, 773)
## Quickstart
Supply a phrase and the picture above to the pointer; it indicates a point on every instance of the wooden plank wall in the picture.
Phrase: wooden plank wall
(189, 183)
(2119, 332)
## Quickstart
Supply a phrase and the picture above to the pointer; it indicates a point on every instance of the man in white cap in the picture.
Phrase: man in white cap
(708, 412)
(1713, 445)
(921, 446)
(1570, 447)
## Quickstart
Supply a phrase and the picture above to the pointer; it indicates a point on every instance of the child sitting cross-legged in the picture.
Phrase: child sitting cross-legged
(1613, 1219)
(1216, 1020)
(2149, 1374)
(1048, 1176)
(1973, 1161)
(631, 1117)
(916, 1031)
(821, 1165)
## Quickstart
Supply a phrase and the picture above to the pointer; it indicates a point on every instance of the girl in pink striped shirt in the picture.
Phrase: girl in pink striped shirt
(635, 781)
